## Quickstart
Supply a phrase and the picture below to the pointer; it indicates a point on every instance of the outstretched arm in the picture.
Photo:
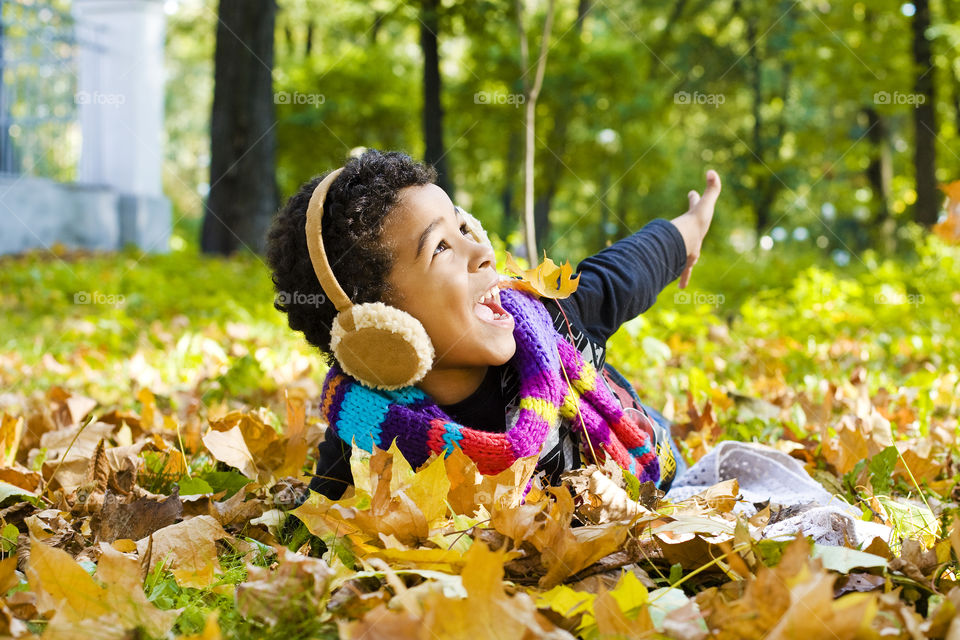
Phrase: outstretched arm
(693, 224)
(623, 280)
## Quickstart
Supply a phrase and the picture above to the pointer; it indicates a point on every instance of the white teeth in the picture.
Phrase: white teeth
(489, 295)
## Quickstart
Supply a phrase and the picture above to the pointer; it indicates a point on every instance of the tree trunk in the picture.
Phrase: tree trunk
(506, 194)
(435, 153)
(308, 46)
(755, 72)
(243, 189)
(927, 207)
(529, 120)
(553, 169)
(880, 176)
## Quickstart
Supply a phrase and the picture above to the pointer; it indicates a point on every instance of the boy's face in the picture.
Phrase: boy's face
(439, 274)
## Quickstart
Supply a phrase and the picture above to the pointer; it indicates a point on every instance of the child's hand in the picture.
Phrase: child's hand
(693, 224)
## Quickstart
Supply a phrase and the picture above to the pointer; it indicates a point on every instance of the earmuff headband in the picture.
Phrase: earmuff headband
(318, 257)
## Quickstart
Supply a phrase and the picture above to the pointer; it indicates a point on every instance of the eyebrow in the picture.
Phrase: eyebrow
(430, 228)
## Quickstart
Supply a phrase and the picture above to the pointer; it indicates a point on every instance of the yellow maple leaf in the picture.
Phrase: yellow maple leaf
(547, 280)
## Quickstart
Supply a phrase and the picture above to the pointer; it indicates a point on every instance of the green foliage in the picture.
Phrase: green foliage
(616, 146)
(881, 470)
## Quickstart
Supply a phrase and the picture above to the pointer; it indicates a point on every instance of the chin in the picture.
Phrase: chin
(508, 351)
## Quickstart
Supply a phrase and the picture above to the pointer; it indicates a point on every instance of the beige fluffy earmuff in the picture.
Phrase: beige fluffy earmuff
(380, 345)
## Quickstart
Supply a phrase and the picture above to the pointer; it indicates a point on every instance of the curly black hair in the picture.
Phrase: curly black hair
(355, 208)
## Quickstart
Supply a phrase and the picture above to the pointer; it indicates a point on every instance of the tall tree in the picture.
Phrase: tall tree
(557, 141)
(927, 206)
(435, 153)
(243, 191)
(531, 93)
(880, 175)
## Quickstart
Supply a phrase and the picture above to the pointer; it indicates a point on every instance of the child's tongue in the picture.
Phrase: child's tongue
(483, 311)
(489, 311)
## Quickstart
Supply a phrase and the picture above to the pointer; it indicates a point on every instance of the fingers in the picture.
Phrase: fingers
(712, 192)
(693, 197)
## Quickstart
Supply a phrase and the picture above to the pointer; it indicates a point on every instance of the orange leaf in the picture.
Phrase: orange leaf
(547, 280)
(949, 229)
(952, 190)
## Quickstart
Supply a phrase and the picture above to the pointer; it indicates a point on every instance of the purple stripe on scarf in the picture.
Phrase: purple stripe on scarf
(403, 424)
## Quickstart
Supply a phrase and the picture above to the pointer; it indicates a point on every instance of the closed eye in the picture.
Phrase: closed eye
(464, 229)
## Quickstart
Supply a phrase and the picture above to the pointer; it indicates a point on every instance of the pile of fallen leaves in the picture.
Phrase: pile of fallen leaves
(156, 450)
(118, 523)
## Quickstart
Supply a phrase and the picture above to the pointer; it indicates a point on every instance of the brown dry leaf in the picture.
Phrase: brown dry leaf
(189, 547)
(295, 454)
(603, 500)
(19, 476)
(487, 611)
(858, 437)
(106, 627)
(702, 430)
(293, 591)
(8, 576)
(137, 519)
(10, 625)
(469, 489)
(721, 497)
(261, 439)
(98, 471)
(790, 601)
(382, 623)
(124, 593)
(547, 280)
(244, 441)
(230, 448)
(564, 550)
(237, 509)
(69, 458)
(920, 458)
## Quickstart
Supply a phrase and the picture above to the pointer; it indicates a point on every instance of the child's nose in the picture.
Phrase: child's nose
(482, 256)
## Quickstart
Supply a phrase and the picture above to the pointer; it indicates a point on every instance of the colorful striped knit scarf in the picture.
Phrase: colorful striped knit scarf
(368, 416)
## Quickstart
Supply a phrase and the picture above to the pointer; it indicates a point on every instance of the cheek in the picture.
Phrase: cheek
(444, 313)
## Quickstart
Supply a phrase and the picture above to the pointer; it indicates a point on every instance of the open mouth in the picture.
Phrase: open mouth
(488, 309)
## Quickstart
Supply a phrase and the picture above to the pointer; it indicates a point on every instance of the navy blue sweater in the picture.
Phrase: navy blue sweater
(616, 284)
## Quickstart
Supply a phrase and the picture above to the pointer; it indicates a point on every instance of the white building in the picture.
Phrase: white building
(81, 125)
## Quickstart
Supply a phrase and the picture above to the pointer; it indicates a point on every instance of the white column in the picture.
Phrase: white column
(120, 93)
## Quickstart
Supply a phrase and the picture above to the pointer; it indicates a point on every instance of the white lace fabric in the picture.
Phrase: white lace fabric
(765, 474)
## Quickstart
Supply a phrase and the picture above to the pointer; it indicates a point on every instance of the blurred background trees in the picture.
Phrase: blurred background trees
(831, 122)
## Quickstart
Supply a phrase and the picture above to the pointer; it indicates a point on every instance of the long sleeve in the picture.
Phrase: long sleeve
(333, 474)
(623, 280)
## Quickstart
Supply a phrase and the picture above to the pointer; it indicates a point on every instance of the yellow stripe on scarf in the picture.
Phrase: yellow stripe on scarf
(571, 402)
(587, 380)
(543, 408)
